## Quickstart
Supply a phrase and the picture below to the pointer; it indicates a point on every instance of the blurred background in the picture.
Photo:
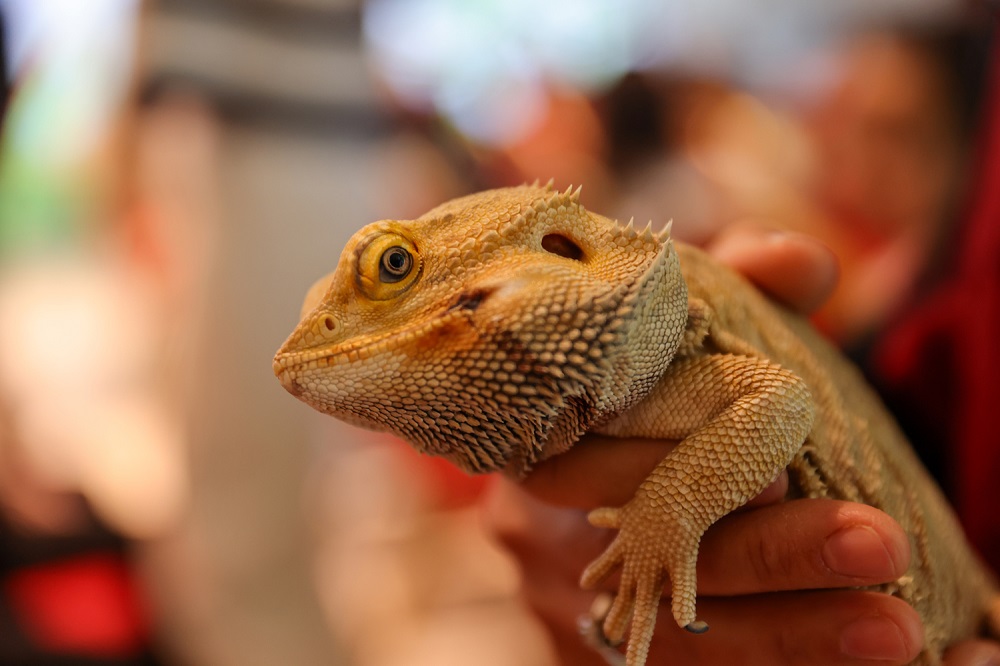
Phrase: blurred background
(174, 174)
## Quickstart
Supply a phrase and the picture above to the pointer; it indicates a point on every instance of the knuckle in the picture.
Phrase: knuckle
(770, 559)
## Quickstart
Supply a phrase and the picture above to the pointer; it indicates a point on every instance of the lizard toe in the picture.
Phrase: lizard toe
(617, 619)
(606, 517)
(602, 567)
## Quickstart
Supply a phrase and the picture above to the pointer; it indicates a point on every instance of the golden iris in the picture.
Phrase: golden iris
(388, 264)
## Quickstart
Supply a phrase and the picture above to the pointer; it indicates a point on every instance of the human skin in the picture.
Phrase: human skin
(774, 578)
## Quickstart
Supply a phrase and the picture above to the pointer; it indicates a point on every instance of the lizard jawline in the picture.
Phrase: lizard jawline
(288, 364)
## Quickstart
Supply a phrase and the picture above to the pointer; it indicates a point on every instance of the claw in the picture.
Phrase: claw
(698, 627)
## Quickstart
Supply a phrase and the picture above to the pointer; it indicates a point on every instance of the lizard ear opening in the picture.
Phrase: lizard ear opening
(562, 246)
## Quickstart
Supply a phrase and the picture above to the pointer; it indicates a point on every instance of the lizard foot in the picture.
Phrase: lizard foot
(650, 546)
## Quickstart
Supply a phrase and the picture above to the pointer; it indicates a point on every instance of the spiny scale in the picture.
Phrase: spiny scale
(664, 235)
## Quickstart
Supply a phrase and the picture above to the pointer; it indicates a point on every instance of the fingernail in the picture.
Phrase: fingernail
(874, 638)
(859, 551)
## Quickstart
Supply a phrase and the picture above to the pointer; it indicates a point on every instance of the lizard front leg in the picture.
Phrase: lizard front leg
(739, 420)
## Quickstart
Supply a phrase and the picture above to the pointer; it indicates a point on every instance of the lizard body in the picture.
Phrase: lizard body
(500, 327)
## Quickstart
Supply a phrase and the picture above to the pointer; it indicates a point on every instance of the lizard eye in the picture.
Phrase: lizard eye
(388, 264)
(395, 264)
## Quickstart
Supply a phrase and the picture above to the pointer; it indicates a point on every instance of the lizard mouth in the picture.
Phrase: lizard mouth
(290, 361)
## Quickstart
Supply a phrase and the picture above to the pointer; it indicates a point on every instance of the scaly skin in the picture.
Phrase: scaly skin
(499, 328)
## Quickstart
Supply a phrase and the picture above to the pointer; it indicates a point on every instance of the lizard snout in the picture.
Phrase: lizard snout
(285, 377)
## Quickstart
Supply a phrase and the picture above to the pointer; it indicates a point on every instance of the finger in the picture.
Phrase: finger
(832, 627)
(843, 627)
(559, 542)
(973, 653)
(824, 627)
(597, 471)
(802, 544)
(793, 268)
(541, 535)
(606, 471)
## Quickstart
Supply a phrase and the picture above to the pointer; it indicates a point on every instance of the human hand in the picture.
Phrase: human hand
(762, 572)
(801, 273)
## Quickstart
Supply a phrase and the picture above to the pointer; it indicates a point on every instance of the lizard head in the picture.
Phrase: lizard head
(494, 330)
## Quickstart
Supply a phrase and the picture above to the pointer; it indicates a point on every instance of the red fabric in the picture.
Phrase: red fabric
(948, 352)
(86, 605)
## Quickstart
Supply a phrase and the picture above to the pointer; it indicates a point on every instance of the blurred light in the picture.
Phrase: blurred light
(81, 55)
(72, 62)
(54, 26)
(485, 64)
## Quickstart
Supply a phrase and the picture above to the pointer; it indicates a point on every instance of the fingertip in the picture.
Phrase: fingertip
(801, 544)
(894, 633)
(973, 653)
(868, 543)
(793, 268)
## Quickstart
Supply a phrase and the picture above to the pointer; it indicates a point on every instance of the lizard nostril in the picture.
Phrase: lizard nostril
(329, 323)
(470, 300)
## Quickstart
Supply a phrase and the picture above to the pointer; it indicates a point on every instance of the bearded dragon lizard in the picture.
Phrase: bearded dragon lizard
(500, 327)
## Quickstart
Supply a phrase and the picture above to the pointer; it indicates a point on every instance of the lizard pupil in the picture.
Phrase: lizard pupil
(395, 264)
